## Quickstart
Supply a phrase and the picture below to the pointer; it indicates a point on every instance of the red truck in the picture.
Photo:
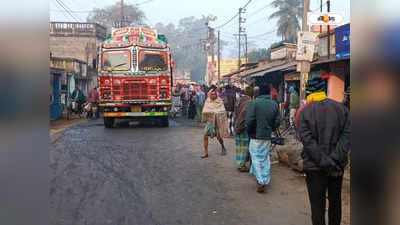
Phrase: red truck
(135, 76)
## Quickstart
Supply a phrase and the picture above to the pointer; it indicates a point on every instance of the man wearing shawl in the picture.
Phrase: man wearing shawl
(214, 116)
(241, 137)
(263, 117)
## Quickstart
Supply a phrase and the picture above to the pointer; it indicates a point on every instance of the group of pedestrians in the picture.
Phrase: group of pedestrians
(322, 125)
(192, 99)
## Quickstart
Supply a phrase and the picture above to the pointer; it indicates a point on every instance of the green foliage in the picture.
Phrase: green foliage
(112, 14)
(289, 13)
(259, 54)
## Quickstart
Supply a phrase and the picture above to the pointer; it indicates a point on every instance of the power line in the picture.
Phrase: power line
(259, 35)
(259, 10)
(236, 15)
(65, 7)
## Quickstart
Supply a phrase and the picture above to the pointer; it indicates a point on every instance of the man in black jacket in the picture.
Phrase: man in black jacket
(229, 98)
(323, 126)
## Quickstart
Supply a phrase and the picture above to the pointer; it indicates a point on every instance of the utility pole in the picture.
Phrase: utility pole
(212, 41)
(247, 59)
(219, 59)
(305, 65)
(122, 13)
(320, 26)
(240, 34)
(328, 5)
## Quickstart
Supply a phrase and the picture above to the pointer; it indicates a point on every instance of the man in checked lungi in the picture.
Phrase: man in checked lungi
(241, 137)
(263, 117)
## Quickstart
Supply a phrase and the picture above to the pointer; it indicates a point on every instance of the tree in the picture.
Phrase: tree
(112, 14)
(259, 54)
(184, 39)
(289, 13)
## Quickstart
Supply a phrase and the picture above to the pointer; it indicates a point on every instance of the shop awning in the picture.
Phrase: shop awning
(273, 69)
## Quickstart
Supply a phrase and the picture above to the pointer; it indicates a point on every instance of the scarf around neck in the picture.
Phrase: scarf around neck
(316, 97)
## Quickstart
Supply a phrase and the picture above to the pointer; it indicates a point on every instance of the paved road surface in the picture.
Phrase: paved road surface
(154, 176)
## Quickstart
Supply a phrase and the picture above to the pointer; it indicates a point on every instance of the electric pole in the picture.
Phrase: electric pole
(219, 59)
(304, 65)
(122, 13)
(240, 29)
(240, 34)
(320, 26)
(212, 40)
(328, 5)
(247, 59)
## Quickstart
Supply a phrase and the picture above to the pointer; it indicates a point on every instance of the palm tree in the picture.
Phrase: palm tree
(289, 13)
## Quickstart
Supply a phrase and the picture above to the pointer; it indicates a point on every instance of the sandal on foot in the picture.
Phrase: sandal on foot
(260, 188)
(244, 169)
(204, 156)
(223, 153)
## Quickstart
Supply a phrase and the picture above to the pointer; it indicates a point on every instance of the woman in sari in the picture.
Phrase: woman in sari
(214, 116)
(241, 137)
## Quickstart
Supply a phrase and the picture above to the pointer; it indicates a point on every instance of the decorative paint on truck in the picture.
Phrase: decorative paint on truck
(135, 75)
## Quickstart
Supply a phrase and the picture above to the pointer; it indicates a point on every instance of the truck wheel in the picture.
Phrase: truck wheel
(108, 122)
(164, 122)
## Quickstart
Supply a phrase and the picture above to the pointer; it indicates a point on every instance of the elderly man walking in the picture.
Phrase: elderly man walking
(241, 137)
(263, 117)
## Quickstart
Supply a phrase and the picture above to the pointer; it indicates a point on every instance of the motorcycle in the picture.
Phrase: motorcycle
(74, 108)
(91, 110)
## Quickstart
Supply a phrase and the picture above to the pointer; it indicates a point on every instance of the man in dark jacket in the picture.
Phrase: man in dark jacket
(323, 126)
(262, 119)
(229, 98)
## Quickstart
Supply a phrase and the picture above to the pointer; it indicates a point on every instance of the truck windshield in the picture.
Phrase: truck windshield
(153, 61)
(116, 60)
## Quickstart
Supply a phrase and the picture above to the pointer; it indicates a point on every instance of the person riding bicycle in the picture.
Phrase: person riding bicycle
(78, 97)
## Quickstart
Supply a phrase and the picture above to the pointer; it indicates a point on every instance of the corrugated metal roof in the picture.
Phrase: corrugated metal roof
(273, 69)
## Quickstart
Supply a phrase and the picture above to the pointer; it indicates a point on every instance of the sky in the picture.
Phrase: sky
(171, 11)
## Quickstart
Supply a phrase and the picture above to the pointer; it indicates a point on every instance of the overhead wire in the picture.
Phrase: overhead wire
(67, 10)
(236, 15)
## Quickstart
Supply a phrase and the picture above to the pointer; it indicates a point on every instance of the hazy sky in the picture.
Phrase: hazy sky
(171, 11)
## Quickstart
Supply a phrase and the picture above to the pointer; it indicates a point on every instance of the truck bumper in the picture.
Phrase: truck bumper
(134, 114)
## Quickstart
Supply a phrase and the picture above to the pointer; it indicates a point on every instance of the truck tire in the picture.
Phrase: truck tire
(108, 122)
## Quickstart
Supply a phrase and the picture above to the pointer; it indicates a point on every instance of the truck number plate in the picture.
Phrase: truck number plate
(136, 108)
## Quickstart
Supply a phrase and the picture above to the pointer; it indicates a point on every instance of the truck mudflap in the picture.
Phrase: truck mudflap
(134, 114)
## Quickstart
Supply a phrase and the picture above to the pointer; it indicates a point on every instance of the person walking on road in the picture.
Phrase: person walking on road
(229, 97)
(214, 116)
(199, 100)
(93, 99)
(293, 105)
(323, 126)
(262, 119)
(241, 137)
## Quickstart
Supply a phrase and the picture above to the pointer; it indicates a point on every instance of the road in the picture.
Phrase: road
(148, 175)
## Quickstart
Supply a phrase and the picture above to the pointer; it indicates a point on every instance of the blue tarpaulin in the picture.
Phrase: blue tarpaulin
(342, 37)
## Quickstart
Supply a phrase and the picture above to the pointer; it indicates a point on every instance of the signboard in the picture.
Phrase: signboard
(305, 46)
(279, 54)
(342, 37)
(318, 18)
